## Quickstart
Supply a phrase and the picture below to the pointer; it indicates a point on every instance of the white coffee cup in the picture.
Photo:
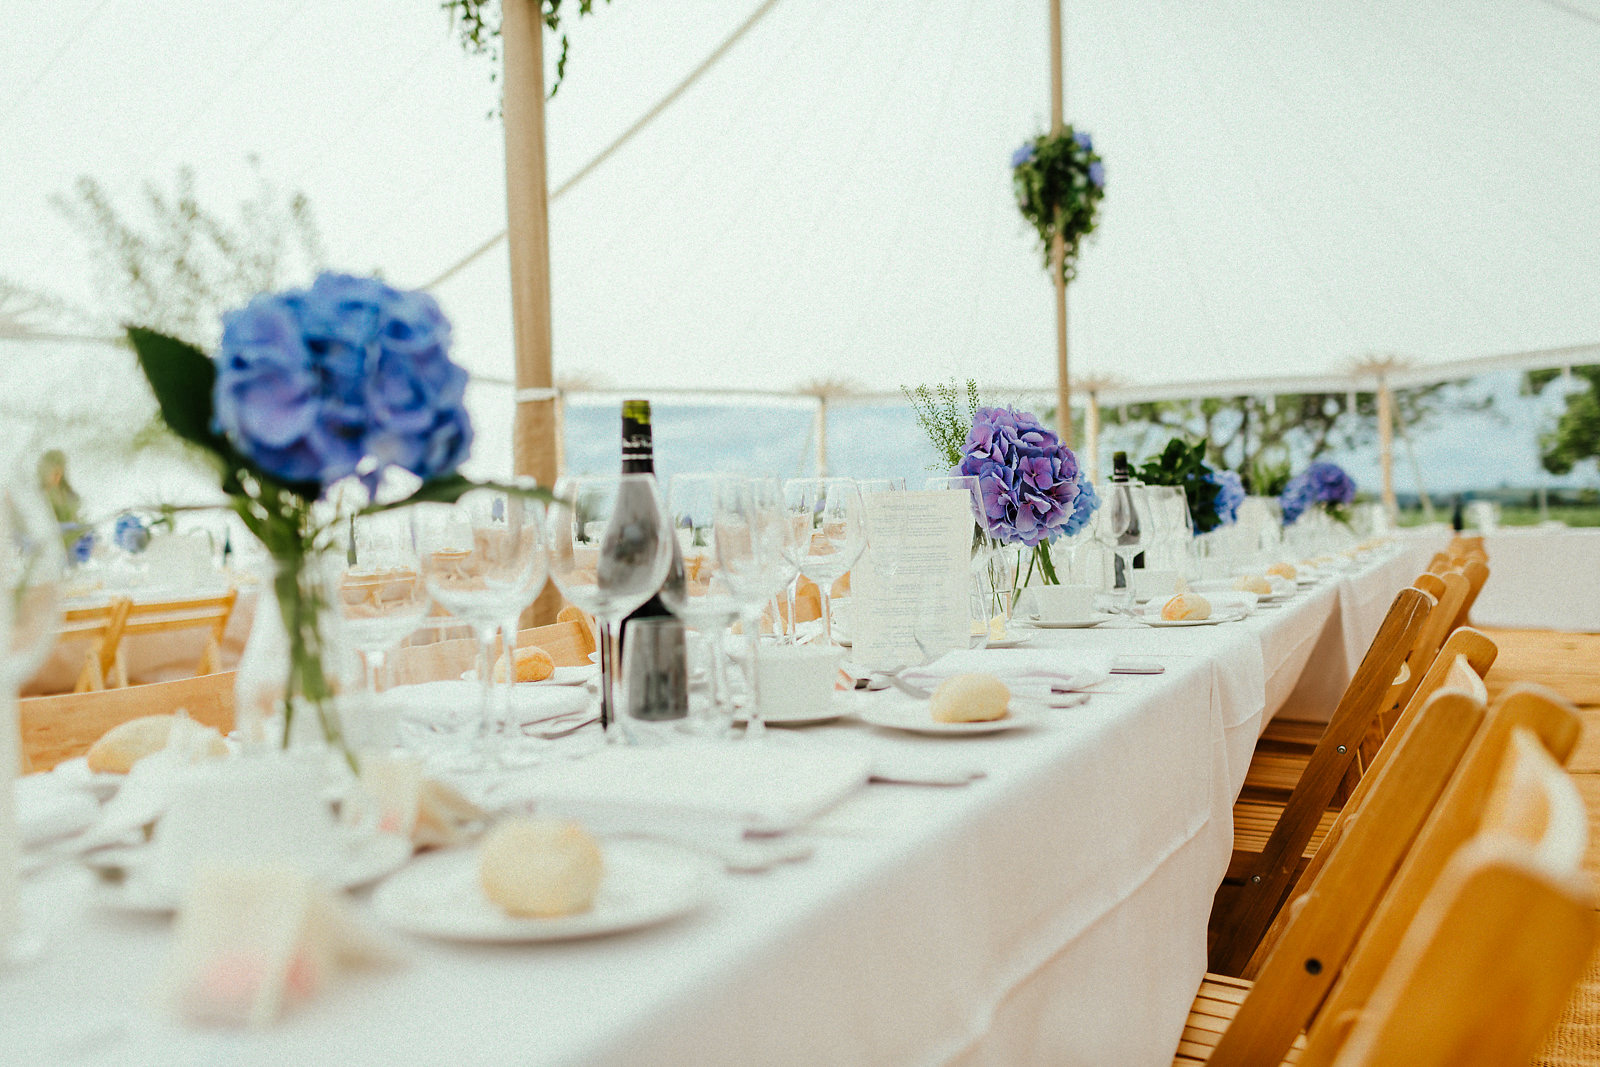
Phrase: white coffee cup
(1151, 583)
(244, 812)
(1064, 603)
(797, 680)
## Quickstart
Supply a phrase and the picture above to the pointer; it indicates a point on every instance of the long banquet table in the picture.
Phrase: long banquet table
(1052, 911)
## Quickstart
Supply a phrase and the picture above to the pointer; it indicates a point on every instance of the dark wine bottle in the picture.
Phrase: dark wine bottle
(1458, 519)
(658, 688)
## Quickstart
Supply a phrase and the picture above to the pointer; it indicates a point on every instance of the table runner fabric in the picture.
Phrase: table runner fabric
(1052, 911)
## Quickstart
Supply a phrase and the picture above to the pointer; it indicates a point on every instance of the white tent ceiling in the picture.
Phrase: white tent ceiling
(1291, 187)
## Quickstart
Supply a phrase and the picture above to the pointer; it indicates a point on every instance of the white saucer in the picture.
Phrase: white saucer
(645, 882)
(368, 859)
(914, 717)
(1214, 620)
(559, 676)
(1076, 624)
(837, 708)
(1011, 640)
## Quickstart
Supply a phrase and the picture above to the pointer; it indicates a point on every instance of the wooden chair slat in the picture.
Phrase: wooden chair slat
(56, 728)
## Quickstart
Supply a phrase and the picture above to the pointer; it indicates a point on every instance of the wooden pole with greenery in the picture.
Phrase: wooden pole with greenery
(1386, 443)
(534, 451)
(1058, 249)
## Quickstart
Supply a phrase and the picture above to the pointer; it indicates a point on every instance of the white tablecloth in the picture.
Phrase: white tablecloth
(1051, 912)
(1542, 578)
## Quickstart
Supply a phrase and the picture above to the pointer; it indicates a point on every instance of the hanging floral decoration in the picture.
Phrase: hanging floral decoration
(1059, 180)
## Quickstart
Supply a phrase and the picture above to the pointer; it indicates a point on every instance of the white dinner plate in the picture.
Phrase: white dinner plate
(1076, 624)
(367, 860)
(645, 882)
(559, 676)
(836, 708)
(914, 716)
(1214, 620)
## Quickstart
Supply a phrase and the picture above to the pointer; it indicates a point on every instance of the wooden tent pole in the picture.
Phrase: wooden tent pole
(1091, 435)
(528, 226)
(1386, 444)
(822, 435)
(533, 449)
(1058, 247)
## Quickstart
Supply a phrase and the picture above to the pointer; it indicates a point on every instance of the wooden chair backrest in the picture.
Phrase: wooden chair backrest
(569, 641)
(56, 728)
(1439, 563)
(1461, 544)
(1476, 573)
(1460, 666)
(1459, 814)
(1328, 919)
(101, 626)
(1448, 591)
(1251, 910)
(209, 613)
(1492, 955)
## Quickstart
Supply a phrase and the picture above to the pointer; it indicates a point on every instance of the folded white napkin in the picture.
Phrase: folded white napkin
(1029, 672)
(768, 788)
(48, 809)
(458, 701)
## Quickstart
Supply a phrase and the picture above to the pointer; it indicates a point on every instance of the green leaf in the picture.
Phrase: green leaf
(182, 377)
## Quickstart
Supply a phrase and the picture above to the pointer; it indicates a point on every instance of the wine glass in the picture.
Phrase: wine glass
(704, 601)
(756, 540)
(832, 535)
(483, 561)
(31, 570)
(610, 550)
(383, 599)
(1127, 530)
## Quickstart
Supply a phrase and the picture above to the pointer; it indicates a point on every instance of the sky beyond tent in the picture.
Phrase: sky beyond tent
(1290, 187)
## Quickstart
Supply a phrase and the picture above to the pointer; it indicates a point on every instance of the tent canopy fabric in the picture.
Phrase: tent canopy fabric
(1291, 189)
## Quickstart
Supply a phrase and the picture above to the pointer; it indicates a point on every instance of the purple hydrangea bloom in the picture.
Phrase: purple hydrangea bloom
(1022, 155)
(1097, 174)
(1320, 483)
(1084, 507)
(82, 542)
(131, 534)
(1230, 494)
(349, 376)
(1084, 141)
(1028, 478)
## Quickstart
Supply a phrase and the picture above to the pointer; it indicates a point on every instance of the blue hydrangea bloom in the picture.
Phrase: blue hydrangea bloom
(1230, 494)
(1097, 174)
(1320, 483)
(82, 546)
(131, 534)
(1028, 478)
(1084, 141)
(1022, 155)
(349, 376)
(1084, 507)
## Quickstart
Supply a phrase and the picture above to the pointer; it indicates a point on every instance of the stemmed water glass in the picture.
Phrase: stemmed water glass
(1125, 527)
(704, 601)
(832, 534)
(31, 568)
(756, 550)
(483, 561)
(610, 549)
(382, 599)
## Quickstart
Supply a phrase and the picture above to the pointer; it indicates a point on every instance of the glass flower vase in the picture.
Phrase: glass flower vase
(294, 668)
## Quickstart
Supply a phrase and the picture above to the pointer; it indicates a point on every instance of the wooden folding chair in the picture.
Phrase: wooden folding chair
(209, 613)
(1286, 745)
(1359, 907)
(101, 626)
(1477, 574)
(570, 640)
(1486, 966)
(56, 728)
(1271, 841)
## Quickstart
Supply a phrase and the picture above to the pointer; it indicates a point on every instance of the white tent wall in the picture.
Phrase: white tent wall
(1291, 188)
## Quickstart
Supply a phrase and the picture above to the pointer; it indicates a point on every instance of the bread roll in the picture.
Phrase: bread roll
(970, 698)
(540, 868)
(1283, 570)
(1187, 607)
(533, 665)
(125, 744)
(1253, 583)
